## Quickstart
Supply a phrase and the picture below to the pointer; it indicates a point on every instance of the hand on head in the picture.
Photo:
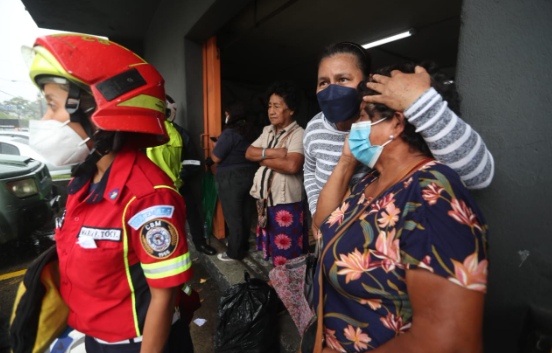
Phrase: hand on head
(400, 90)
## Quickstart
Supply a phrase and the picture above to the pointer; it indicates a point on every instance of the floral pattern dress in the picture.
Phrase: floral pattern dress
(428, 221)
(286, 234)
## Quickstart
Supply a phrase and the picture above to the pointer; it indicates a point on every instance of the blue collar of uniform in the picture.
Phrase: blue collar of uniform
(112, 182)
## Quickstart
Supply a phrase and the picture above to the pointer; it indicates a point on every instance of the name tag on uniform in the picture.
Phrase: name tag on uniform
(111, 234)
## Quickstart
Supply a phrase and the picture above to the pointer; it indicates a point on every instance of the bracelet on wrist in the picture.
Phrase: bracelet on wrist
(264, 149)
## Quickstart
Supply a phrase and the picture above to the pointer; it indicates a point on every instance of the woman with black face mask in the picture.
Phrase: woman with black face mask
(341, 68)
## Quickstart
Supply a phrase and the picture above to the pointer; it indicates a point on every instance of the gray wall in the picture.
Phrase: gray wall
(180, 62)
(504, 77)
(174, 45)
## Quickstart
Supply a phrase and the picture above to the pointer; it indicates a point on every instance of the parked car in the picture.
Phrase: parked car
(17, 143)
(27, 196)
(15, 133)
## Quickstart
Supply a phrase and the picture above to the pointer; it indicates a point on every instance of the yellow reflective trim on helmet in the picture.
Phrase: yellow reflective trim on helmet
(127, 269)
(144, 63)
(45, 63)
(144, 101)
(68, 34)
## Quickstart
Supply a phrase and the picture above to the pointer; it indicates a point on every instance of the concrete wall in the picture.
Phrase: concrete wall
(180, 62)
(174, 45)
(504, 77)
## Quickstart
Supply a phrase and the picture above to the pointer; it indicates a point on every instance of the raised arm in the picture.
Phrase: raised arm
(336, 189)
(449, 138)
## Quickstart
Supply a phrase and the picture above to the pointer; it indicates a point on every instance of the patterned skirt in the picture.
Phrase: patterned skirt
(286, 234)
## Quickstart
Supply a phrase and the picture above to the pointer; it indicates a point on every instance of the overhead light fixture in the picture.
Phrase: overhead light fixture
(389, 39)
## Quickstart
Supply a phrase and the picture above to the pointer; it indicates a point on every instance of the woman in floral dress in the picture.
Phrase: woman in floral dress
(286, 234)
(410, 272)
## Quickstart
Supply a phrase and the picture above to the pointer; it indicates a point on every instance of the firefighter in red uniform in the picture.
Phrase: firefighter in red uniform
(122, 251)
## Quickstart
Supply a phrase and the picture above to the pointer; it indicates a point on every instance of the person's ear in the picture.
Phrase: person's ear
(398, 123)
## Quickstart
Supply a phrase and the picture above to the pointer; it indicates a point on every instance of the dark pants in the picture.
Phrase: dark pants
(193, 216)
(233, 190)
(179, 341)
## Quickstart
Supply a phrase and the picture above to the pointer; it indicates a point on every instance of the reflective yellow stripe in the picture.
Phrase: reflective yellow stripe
(165, 263)
(167, 268)
(166, 187)
(145, 101)
(45, 63)
(127, 269)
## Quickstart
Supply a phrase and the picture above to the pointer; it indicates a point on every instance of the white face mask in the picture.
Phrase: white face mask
(57, 142)
(172, 108)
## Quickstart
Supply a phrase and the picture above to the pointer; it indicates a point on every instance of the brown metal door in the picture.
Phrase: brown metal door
(212, 119)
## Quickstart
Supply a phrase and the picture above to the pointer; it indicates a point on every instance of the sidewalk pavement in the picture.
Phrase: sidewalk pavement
(227, 273)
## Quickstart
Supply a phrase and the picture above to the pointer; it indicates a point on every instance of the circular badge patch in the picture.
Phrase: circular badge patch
(159, 238)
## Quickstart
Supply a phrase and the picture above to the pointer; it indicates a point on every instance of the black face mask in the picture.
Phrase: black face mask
(338, 103)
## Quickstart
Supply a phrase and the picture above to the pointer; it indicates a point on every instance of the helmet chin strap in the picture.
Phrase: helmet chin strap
(103, 140)
(76, 115)
(103, 144)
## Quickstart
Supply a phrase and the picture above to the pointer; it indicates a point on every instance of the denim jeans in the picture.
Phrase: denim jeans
(233, 190)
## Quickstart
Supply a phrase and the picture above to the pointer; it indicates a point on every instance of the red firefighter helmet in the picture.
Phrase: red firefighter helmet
(129, 93)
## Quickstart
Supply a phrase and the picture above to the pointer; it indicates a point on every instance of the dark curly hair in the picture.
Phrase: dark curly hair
(239, 121)
(288, 90)
(364, 59)
(440, 82)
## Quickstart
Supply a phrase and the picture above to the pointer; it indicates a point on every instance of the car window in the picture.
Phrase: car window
(19, 139)
(6, 148)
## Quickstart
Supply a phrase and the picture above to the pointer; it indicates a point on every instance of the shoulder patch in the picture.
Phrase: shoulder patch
(161, 211)
(159, 238)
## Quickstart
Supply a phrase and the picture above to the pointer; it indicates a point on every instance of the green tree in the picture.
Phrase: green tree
(22, 108)
(6, 116)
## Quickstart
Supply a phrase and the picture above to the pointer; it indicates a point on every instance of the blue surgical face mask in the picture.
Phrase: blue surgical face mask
(360, 145)
(338, 103)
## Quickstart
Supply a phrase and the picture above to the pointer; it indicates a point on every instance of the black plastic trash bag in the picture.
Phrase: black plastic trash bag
(246, 318)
